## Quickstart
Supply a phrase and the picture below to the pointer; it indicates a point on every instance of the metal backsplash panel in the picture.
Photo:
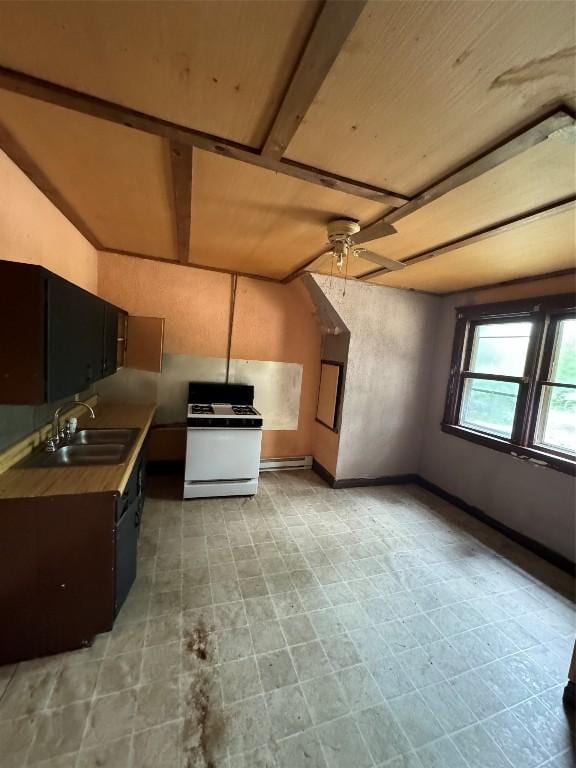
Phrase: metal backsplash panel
(277, 387)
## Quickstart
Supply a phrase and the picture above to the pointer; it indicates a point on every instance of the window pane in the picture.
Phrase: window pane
(557, 419)
(489, 406)
(564, 356)
(500, 348)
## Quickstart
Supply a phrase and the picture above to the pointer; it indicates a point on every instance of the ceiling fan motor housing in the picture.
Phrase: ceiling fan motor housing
(342, 229)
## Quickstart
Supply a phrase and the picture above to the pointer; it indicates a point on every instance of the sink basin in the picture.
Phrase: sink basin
(98, 436)
(78, 455)
(88, 446)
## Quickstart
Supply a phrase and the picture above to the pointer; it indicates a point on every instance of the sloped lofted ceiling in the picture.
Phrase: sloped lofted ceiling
(220, 67)
(227, 134)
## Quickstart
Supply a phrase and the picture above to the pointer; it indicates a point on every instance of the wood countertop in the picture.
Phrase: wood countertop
(31, 482)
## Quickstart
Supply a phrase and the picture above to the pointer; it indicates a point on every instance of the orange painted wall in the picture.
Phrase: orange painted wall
(33, 231)
(271, 322)
(326, 447)
(276, 322)
(194, 302)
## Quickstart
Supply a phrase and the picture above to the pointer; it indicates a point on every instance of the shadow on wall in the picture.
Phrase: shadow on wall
(17, 421)
(390, 353)
(335, 347)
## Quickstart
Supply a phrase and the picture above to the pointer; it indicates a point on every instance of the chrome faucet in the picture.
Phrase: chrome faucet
(58, 433)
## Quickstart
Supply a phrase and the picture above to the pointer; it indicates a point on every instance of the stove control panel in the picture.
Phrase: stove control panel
(223, 422)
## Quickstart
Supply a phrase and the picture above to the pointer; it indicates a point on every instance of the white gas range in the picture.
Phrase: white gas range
(223, 439)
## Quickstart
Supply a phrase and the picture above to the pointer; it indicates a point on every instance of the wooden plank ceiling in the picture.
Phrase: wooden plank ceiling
(503, 255)
(427, 85)
(116, 179)
(227, 134)
(269, 224)
(538, 177)
(220, 67)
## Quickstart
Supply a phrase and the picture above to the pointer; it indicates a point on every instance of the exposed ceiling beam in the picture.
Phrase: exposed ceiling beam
(515, 281)
(557, 127)
(42, 90)
(482, 234)
(552, 127)
(22, 159)
(181, 165)
(333, 25)
(194, 265)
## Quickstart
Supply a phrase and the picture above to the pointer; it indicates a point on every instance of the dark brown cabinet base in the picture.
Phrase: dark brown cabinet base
(67, 564)
(56, 573)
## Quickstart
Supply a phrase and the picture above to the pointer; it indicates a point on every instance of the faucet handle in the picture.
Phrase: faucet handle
(51, 445)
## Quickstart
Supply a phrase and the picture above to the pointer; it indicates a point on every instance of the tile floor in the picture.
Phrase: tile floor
(311, 628)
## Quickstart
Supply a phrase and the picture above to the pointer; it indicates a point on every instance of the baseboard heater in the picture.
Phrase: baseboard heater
(292, 462)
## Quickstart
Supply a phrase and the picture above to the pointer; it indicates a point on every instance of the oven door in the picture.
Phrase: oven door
(222, 454)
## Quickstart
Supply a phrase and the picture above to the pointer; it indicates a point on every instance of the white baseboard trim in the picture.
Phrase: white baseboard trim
(292, 462)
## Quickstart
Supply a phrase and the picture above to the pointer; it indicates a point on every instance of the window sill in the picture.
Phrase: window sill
(528, 455)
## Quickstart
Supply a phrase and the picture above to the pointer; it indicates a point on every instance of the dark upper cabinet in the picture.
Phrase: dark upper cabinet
(55, 338)
(74, 339)
(111, 329)
(22, 347)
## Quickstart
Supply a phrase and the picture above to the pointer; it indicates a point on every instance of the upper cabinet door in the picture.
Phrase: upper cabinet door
(145, 339)
(75, 339)
(111, 315)
(22, 352)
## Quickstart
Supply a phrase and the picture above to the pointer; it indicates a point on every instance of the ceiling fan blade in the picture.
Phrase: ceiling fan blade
(382, 261)
(373, 232)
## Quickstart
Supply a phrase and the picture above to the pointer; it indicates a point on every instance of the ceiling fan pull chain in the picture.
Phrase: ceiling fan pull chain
(332, 269)
(346, 273)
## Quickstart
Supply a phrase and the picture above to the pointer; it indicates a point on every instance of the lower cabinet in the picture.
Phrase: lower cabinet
(129, 508)
(126, 544)
(67, 564)
(56, 573)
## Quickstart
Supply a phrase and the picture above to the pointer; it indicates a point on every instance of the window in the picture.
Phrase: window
(513, 379)
(556, 422)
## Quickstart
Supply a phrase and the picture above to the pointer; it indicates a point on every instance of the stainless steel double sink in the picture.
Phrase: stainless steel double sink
(86, 447)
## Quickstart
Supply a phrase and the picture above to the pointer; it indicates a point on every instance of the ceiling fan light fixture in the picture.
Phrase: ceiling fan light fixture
(343, 236)
(340, 252)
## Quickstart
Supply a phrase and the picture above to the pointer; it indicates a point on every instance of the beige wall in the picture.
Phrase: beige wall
(536, 501)
(272, 322)
(33, 231)
(546, 287)
(390, 354)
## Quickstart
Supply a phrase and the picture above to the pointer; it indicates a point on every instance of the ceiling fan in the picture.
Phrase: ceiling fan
(345, 239)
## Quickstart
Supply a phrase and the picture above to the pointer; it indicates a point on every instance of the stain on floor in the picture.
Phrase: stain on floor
(197, 643)
(203, 724)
